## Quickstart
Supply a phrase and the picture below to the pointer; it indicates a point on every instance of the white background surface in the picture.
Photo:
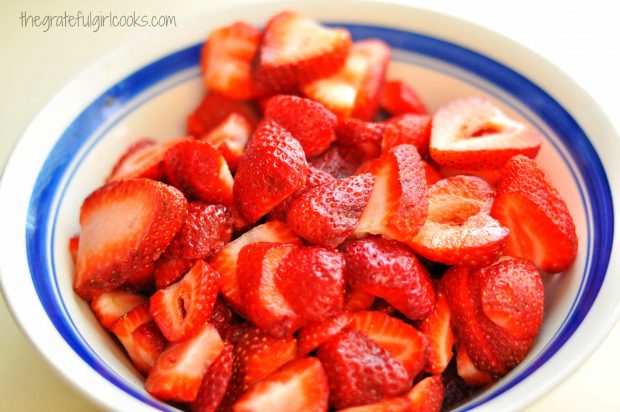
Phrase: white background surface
(580, 37)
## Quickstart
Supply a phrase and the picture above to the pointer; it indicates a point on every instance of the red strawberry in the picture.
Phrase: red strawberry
(468, 371)
(226, 61)
(327, 214)
(200, 171)
(308, 121)
(110, 306)
(540, 223)
(178, 372)
(230, 138)
(366, 136)
(432, 175)
(356, 300)
(236, 331)
(491, 176)
(388, 269)
(313, 335)
(407, 129)
(272, 168)
(299, 386)
(399, 98)
(140, 218)
(398, 404)
(310, 279)
(473, 133)
(427, 395)
(437, 329)
(399, 202)
(170, 270)
(206, 230)
(221, 317)
(263, 303)
(296, 49)
(315, 178)
(355, 90)
(225, 261)
(401, 340)
(140, 337)
(458, 230)
(183, 307)
(339, 161)
(360, 371)
(74, 243)
(215, 382)
(213, 110)
(239, 223)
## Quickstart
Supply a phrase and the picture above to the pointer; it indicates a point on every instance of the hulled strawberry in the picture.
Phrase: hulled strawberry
(436, 327)
(215, 382)
(110, 306)
(213, 110)
(230, 138)
(407, 129)
(399, 98)
(316, 177)
(339, 161)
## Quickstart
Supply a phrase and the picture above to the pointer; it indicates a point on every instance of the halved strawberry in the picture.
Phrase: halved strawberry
(230, 138)
(263, 303)
(296, 49)
(354, 90)
(402, 341)
(110, 306)
(356, 300)
(407, 129)
(74, 244)
(215, 382)
(206, 230)
(312, 335)
(178, 372)
(308, 121)
(311, 280)
(170, 270)
(327, 214)
(339, 161)
(272, 167)
(399, 98)
(427, 395)
(225, 261)
(388, 269)
(140, 218)
(140, 337)
(213, 110)
(541, 226)
(316, 177)
(200, 171)
(366, 136)
(491, 176)
(226, 61)
(299, 386)
(182, 308)
(468, 371)
(473, 133)
(437, 329)
(360, 371)
(398, 205)
(458, 229)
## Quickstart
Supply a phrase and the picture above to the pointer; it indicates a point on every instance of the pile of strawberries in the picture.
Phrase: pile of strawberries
(294, 253)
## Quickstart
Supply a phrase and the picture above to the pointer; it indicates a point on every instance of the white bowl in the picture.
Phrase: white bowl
(148, 88)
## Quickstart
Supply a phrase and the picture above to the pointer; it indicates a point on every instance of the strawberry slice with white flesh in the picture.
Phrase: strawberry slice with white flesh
(230, 138)
(110, 306)
(437, 329)
(473, 133)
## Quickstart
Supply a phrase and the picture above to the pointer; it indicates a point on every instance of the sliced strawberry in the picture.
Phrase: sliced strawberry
(296, 49)
(215, 382)
(398, 404)
(170, 270)
(491, 176)
(401, 340)
(356, 300)
(473, 133)
(182, 308)
(225, 261)
(226, 61)
(272, 168)
(230, 138)
(310, 279)
(299, 386)
(339, 161)
(74, 244)
(327, 214)
(206, 230)
(236, 331)
(468, 371)
(427, 395)
(200, 171)
(221, 317)
(213, 110)
(239, 223)
(399, 98)
(140, 218)
(407, 129)
(458, 230)
(541, 226)
(355, 90)
(313, 335)
(140, 337)
(432, 175)
(308, 121)
(316, 177)
(360, 371)
(179, 371)
(110, 306)
(399, 202)
(366, 136)
(437, 329)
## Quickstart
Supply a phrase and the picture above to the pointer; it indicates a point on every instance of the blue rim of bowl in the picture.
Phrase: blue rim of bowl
(60, 166)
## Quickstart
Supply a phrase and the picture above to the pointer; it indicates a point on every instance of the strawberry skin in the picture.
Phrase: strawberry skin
(308, 121)
(230, 137)
(200, 171)
(215, 382)
(468, 371)
(140, 218)
(313, 335)
(272, 168)
(110, 306)
(295, 49)
(437, 329)
(339, 161)
(327, 214)
(364, 136)
(299, 386)
(74, 244)
(541, 226)
(170, 270)
(427, 395)
(316, 177)
(399, 98)
(356, 300)
(388, 269)
(407, 129)
(213, 110)
(472, 133)
(183, 307)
